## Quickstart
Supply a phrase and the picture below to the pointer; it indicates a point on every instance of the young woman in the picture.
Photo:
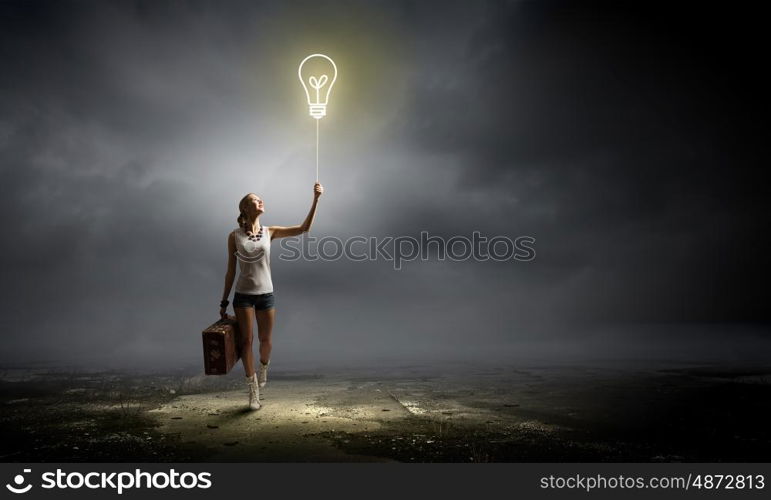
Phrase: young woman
(250, 245)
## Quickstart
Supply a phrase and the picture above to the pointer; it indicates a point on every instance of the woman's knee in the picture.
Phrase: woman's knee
(246, 340)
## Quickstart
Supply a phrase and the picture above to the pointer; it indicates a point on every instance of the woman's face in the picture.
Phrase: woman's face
(254, 204)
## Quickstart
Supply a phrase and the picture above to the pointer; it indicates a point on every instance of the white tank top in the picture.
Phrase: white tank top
(254, 262)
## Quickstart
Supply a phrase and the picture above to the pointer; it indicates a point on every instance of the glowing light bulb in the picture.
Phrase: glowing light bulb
(317, 73)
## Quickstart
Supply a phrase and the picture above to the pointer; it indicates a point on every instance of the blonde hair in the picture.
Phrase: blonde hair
(242, 218)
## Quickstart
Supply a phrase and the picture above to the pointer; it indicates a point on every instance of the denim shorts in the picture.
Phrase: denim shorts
(259, 302)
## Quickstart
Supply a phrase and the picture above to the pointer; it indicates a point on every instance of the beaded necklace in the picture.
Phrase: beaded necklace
(253, 236)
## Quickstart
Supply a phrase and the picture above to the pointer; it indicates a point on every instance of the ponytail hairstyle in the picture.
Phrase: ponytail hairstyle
(242, 218)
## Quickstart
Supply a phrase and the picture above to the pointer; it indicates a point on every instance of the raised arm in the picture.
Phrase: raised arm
(285, 231)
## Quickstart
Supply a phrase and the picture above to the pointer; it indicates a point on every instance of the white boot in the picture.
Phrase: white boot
(254, 392)
(262, 374)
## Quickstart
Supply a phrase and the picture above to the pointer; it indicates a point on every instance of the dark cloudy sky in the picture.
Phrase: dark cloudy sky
(630, 141)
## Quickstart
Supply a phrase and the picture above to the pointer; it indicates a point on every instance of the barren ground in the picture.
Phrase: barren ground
(444, 413)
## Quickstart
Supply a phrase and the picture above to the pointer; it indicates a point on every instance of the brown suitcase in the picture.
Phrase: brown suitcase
(221, 346)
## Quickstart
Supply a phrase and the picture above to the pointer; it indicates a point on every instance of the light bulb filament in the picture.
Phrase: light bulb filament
(317, 83)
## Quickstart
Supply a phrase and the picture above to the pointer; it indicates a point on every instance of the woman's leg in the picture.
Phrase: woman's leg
(245, 317)
(265, 319)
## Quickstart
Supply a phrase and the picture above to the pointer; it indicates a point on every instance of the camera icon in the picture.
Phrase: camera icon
(19, 481)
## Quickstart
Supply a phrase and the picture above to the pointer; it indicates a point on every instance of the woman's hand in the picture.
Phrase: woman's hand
(223, 312)
(317, 190)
